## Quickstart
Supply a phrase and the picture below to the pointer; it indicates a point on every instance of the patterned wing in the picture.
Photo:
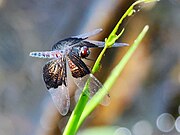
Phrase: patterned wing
(81, 74)
(75, 41)
(55, 78)
(54, 73)
(77, 67)
(66, 43)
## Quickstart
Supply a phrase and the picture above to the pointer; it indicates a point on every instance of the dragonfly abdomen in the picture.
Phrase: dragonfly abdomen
(47, 54)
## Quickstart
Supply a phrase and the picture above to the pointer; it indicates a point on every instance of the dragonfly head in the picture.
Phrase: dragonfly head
(84, 52)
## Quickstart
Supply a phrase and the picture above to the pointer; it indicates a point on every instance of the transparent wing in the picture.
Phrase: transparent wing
(88, 34)
(94, 86)
(75, 41)
(81, 74)
(89, 43)
(60, 97)
(55, 78)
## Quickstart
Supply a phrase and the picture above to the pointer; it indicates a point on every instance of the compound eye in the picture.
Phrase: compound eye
(84, 52)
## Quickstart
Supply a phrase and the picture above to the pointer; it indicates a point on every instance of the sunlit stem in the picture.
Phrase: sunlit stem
(112, 78)
(76, 114)
(113, 36)
(76, 117)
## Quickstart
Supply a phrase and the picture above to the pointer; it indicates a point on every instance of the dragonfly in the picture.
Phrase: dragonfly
(68, 53)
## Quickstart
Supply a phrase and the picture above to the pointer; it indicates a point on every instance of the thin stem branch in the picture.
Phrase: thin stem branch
(81, 109)
(112, 78)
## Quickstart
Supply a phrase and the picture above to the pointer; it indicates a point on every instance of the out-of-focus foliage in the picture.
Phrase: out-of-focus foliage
(29, 25)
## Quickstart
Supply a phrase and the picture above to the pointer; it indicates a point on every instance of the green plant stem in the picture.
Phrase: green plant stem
(76, 114)
(98, 61)
(113, 36)
(112, 78)
(73, 123)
